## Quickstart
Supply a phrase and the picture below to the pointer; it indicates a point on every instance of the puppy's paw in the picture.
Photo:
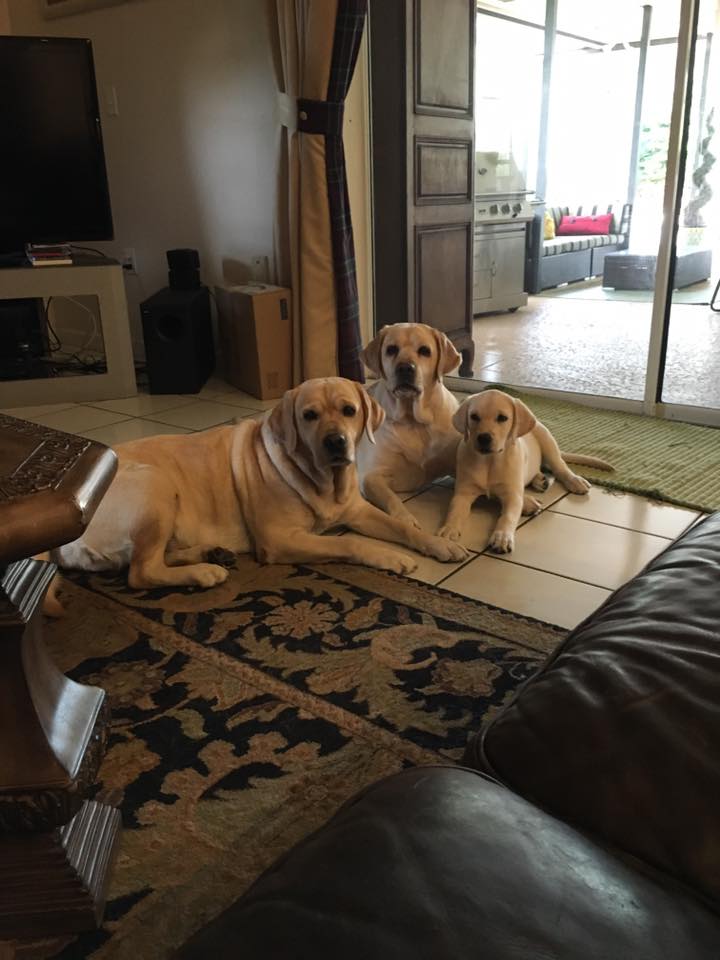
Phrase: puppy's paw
(530, 506)
(395, 561)
(221, 556)
(449, 532)
(209, 574)
(445, 550)
(540, 482)
(502, 541)
(576, 484)
(408, 518)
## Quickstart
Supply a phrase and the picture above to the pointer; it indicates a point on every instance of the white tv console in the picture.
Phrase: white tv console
(89, 277)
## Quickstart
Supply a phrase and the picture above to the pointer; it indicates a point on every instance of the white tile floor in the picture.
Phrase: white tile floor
(566, 560)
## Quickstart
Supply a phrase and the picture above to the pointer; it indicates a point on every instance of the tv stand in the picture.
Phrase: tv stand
(88, 276)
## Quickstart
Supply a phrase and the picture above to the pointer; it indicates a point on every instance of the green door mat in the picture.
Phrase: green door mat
(675, 462)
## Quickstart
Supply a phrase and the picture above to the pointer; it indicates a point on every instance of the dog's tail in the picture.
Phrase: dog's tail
(586, 461)
(51, 606)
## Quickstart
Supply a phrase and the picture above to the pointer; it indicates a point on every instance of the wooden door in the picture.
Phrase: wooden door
(422, 54)
(440, 41)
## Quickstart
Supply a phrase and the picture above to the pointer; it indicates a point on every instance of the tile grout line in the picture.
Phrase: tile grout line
(616, 526)
(465, 563)
(562, 576)
(138, 415)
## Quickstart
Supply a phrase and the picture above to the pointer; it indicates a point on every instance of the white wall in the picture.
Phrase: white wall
(190, 155)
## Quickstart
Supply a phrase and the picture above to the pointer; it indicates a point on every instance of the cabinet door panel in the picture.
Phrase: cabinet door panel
(509, 266)
(482, 269)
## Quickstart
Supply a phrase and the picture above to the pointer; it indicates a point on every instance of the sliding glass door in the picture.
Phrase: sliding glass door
(626, 112)
(690, 364)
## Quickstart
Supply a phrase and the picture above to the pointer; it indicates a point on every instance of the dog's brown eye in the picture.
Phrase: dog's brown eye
(348, 411)
(475, 417)
(425, 351)
(310, 415)
(501, 418)
(391, 350)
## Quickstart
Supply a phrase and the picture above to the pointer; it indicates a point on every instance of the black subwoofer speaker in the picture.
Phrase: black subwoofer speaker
(184, 267)
(178, 337)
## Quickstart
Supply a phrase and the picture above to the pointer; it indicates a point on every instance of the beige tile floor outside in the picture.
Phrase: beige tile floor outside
(597, 347)
(566, 560)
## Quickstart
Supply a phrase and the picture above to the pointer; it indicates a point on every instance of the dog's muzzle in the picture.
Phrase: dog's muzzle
(484, 442)
(336, 446)
(405, 374)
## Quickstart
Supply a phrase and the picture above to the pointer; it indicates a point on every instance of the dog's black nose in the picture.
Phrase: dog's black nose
(335, 443)
(405, 371)
(484, 441)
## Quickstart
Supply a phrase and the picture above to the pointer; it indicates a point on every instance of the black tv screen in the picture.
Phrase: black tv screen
(53, 184)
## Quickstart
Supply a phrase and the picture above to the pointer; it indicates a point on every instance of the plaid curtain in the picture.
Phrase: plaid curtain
(316, 45)
(349, 27)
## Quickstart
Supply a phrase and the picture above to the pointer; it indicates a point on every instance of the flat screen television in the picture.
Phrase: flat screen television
(53, 182)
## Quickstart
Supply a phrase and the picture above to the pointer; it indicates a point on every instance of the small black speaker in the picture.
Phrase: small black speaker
(184, 269)
(178, 337)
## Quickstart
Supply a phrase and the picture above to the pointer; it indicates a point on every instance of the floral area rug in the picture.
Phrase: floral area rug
(244, 716)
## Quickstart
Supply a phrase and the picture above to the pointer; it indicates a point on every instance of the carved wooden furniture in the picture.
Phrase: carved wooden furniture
(56, 847)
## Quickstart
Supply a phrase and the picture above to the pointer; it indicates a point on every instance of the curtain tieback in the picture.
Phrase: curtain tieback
(320, 116)
(287, 111)
(310, 116)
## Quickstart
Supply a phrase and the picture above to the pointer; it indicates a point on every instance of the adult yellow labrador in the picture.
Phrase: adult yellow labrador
(502, 451)
(417, 442)
(271, 488)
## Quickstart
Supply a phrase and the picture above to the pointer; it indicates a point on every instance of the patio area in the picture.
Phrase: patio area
(599, 346)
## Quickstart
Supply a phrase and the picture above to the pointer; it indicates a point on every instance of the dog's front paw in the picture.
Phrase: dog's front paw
(408, 518)
(446, 551)
(221, 556)
(209, 574)
(396, 562)
(530, 506)
(502, 541)
(540, 482)
(576, 484)
(449, 532)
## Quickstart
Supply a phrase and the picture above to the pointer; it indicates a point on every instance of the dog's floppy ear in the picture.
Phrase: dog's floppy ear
(524, 420)
(373, 412)
(282, 421)
(372, 354)
(461, 418)
(448, 357)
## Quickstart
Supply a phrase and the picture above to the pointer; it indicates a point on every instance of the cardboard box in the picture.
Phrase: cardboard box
(255, 334)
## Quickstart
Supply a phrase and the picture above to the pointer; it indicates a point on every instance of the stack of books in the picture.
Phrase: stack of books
(49, 254)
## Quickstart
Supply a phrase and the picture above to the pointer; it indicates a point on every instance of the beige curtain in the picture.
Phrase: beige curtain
(303, 33)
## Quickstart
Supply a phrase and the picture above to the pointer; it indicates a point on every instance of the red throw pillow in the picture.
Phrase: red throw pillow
(597, 225)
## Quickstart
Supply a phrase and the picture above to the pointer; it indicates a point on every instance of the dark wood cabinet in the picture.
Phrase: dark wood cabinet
(422, 55)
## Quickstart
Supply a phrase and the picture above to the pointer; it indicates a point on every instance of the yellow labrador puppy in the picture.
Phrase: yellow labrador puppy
(418, 442)
(502, 451)
(272, 488)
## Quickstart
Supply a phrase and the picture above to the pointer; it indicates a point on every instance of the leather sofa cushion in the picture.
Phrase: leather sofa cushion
(619, 733)
(440, 862)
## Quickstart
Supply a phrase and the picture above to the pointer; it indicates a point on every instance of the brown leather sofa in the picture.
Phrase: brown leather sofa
(589, 828)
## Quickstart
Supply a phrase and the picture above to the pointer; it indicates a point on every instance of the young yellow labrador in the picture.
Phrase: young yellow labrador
(501, 453)
(179, 502)
(417, 442)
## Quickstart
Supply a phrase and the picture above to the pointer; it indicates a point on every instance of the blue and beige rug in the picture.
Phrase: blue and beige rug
(244, 716)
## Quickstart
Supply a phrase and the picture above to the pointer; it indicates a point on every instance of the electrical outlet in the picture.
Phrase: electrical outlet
(128, 261)
(260, 268)
(110, 100)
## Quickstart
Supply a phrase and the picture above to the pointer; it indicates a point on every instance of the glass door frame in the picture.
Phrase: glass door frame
(652, 404)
